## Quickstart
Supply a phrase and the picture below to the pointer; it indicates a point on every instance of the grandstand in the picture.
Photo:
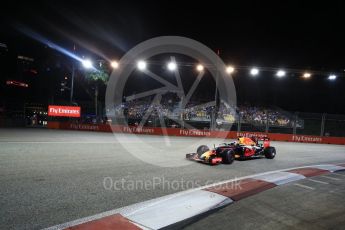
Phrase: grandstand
(201, 115)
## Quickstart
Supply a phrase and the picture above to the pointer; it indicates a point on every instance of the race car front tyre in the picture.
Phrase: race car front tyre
(202, 149)
(270, 152)
(227, 157)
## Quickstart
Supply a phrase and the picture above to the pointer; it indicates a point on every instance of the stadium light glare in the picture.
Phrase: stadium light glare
(306, 75)
(87, 63)
(114, 64)
(230, 69)
(199, 67)
(254, 71)
(172, 66)
(141, 65)
(332, 77)
(281, 73)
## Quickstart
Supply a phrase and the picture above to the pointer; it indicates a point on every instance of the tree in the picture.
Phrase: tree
(98, 77)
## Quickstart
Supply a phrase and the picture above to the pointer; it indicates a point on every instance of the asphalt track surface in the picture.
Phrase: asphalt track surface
(314, 203)
(50, 177)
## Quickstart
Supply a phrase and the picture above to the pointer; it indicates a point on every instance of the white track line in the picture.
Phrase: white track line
(317, 181)
(339, 174)
(115, 141)
(336, 192)
(331, 178)
(304, 186)
(56, 142)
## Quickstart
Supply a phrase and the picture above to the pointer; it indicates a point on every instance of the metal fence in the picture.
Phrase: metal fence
(334, 125)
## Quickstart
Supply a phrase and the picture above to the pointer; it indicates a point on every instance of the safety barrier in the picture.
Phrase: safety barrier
(194, 132)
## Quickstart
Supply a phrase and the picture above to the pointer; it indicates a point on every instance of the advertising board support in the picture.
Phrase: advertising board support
(294, 128)
(322, 132)
(239, 123)
(267, 122)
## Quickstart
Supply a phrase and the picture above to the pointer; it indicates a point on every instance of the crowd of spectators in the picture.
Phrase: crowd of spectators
(261, 115)
(169, 106)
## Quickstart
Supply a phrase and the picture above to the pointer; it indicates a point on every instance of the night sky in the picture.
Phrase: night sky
(290, 34)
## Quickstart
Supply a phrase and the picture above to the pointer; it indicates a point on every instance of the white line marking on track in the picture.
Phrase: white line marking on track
(336, 192)
(304, 186)
(339, 174)
(58, 142)
(331, 178)
(77, 142)
(317, 181)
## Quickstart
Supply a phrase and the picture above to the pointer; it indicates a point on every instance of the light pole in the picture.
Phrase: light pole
(213, 124)
(72, 83)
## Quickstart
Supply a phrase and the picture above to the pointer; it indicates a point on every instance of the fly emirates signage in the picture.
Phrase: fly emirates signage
(63, 111)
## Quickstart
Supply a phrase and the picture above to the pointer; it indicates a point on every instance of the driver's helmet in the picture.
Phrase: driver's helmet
(255, 139)
(246, 141)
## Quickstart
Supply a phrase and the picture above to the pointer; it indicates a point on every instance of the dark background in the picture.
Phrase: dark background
(302, 35)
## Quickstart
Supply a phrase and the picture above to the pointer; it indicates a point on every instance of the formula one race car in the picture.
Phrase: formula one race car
(226, 153)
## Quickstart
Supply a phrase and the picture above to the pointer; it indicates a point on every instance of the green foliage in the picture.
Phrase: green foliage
(101, 75)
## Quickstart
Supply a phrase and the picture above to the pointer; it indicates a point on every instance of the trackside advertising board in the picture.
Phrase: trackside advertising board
(194, 133)
(63, 111)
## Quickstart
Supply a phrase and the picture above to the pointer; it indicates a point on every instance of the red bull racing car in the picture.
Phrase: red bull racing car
(226, 153)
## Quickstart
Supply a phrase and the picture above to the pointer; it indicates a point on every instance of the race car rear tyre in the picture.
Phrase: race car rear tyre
(270, 152)
(228, 157)
(202, 149)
